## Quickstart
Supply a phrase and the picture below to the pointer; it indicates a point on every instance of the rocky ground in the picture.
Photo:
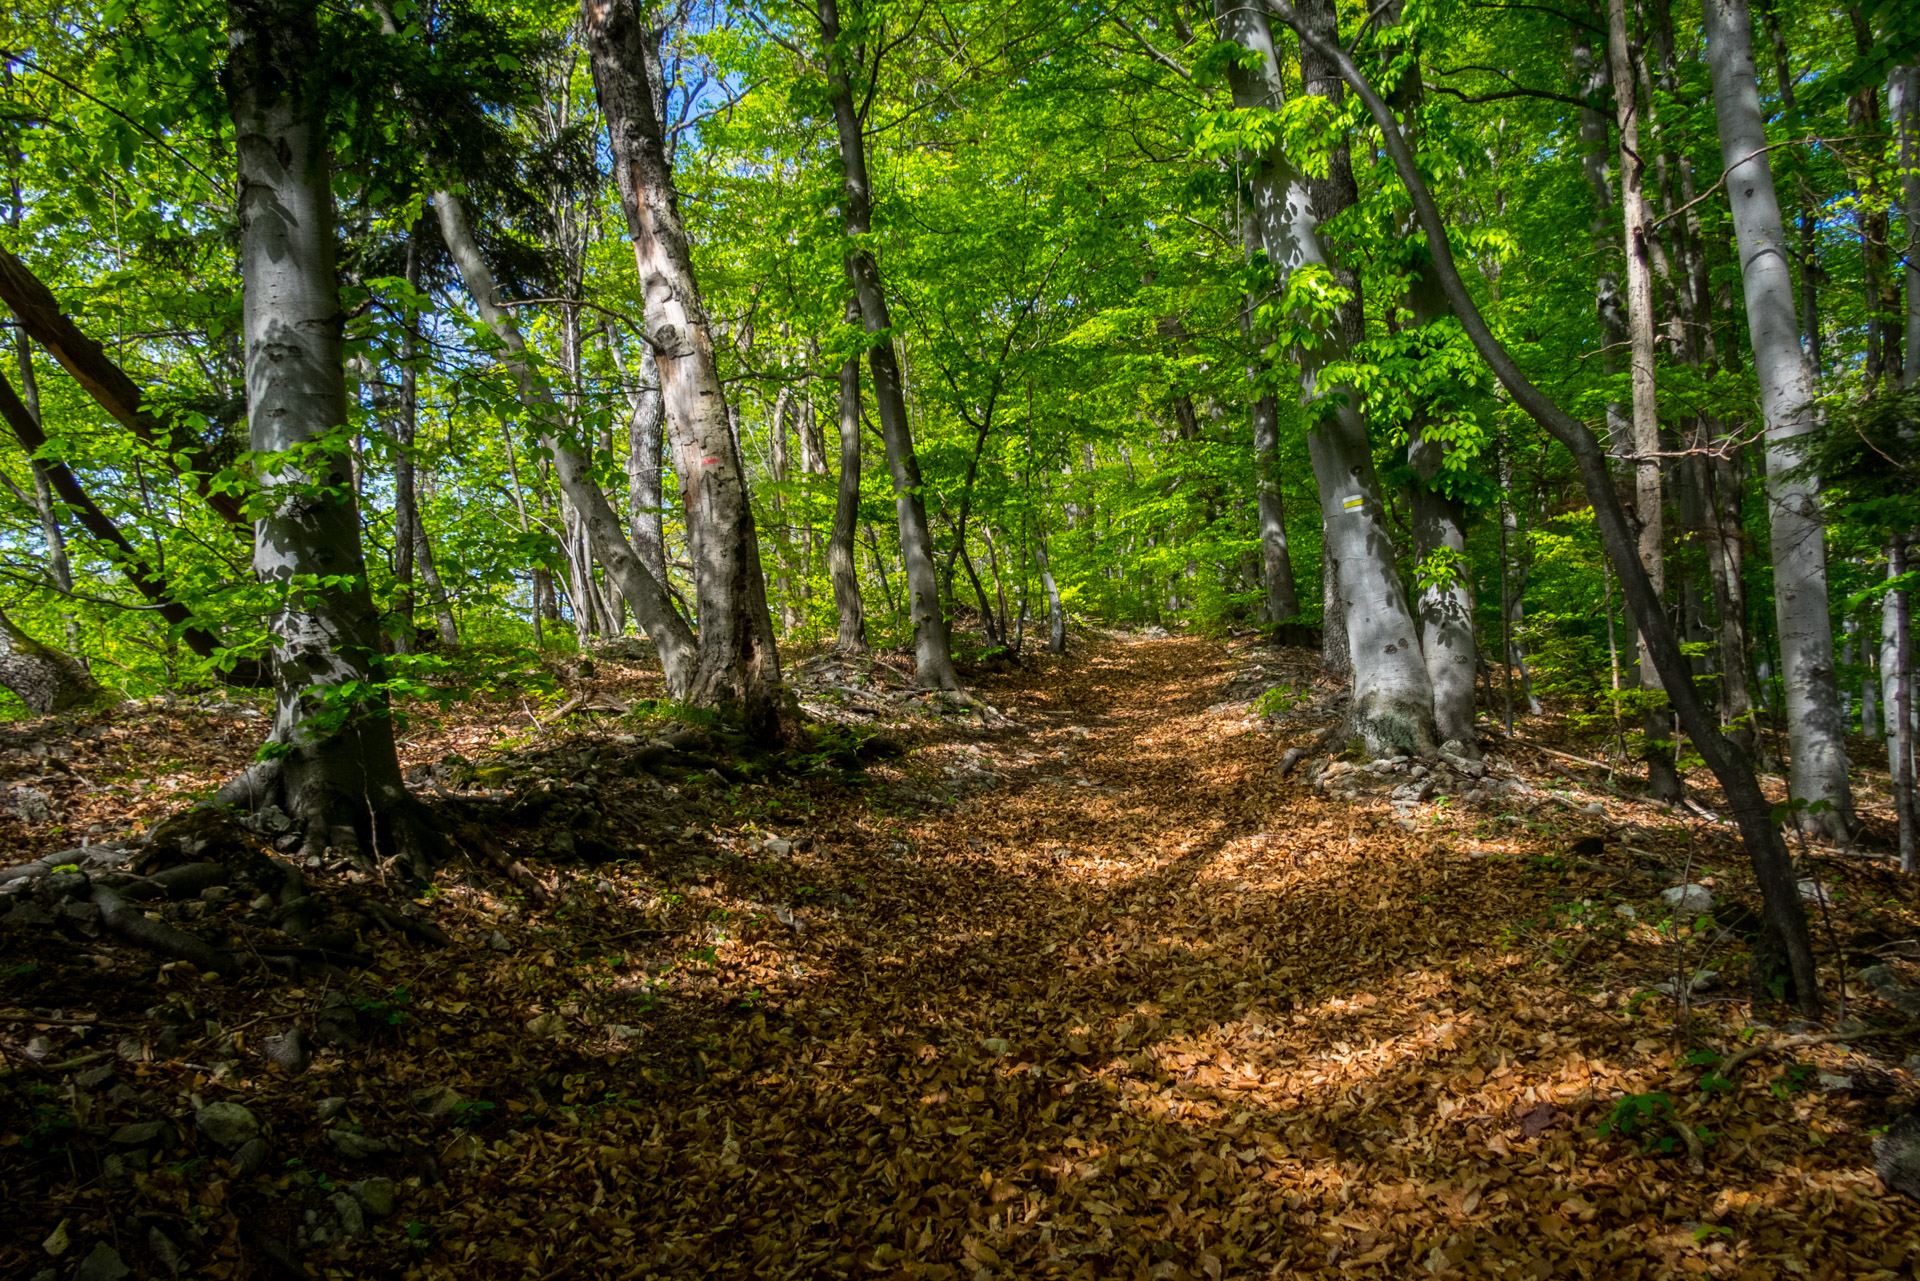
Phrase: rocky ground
(1110, 972)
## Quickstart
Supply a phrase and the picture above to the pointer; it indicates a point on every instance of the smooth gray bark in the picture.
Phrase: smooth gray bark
(1663, 780)
(1773, 867)
(1790, 410)
(1276, 557)
(672, 638)
(337, 772)
(44, 678)
(851, 635)
(933, 647)
(1392, 708)
(738, 663)
(1903, 104)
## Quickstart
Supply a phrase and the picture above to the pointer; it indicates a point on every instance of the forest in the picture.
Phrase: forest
(779, 586)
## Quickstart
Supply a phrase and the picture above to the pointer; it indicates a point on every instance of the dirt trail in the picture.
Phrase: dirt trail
(1137, 1008)
(1148, 1011)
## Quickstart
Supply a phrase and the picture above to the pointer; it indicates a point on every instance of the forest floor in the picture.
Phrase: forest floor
(1082, 988)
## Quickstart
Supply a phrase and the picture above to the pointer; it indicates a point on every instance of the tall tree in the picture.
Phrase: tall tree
(1392, 708)
(333, 768)
(738, 663)
(1790, 408)
(932, 646)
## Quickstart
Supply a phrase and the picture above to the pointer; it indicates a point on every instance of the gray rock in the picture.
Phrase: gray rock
(499, 942)
(27, 916)
(1688, 901)
(65, 885)
(337, 1025)
(1896, 1155)
(227, 1124)
(353, 1220)
(355, 1147)
(252, 1156)
(102, 1264)
(165, 1250)
(217, 894)
(376, 1196)
(330, 1108)
(287, 1051)
(1879, 976)
(272, 820)
(1814, 892)
(1834, 1083)
(141, 1133)
(777, 847)
(437, 1100)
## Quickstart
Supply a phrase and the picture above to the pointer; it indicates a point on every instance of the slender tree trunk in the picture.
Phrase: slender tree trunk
(1608, 303)
(1276, 558)
(1773, 867)
(1809, 233)
(646, 431)
(59, 568)
(671, 636)
(1056, 612)
(1663, 781)
(932, 647)
(738, 661)
(1903, 104)
(1790, 410)
(1897, 661)
(1392, 709)
(851, 637)
(336, 770)
(406, 502)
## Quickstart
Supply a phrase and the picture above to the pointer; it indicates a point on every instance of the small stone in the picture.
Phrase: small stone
(621, 1032)
(102, 1264)
(287, 1051)
(1688, 901)
(997, 1046)
(227, 1124)
(1896, 1155)
(499, 942)
(272, 820)
(777, 847)
(1625, 912)
(252, 1157)
(262, 903)
(437, 1100)
(1834, 1083)
(353, 1220)
(355, 1147)
(337, 1025)
(217, 894)
(376, 1196)
(165, 1250)
(140, 1133)
(40, 1048)
(1813, 892)
(330, 1108)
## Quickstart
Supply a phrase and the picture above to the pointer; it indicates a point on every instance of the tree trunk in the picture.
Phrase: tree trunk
(1790, 410)
(933, 650)
(738, 663)
(1773, 867)
(1392, 708)
(671, 636)
(1607, 302)
(1903, 103)
(45, 679)
(335, 770)
(1056, 612)
(406, 503)
(1276, 558)
(852, 635)
(1663, 781)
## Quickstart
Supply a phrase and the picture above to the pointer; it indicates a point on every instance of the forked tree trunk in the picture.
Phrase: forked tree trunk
(335, 772)
(1656, 722)
(851, 637)
(1392, 708)
(738, 663)
(932, 646)
(1773, 867)
(1790, 408)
